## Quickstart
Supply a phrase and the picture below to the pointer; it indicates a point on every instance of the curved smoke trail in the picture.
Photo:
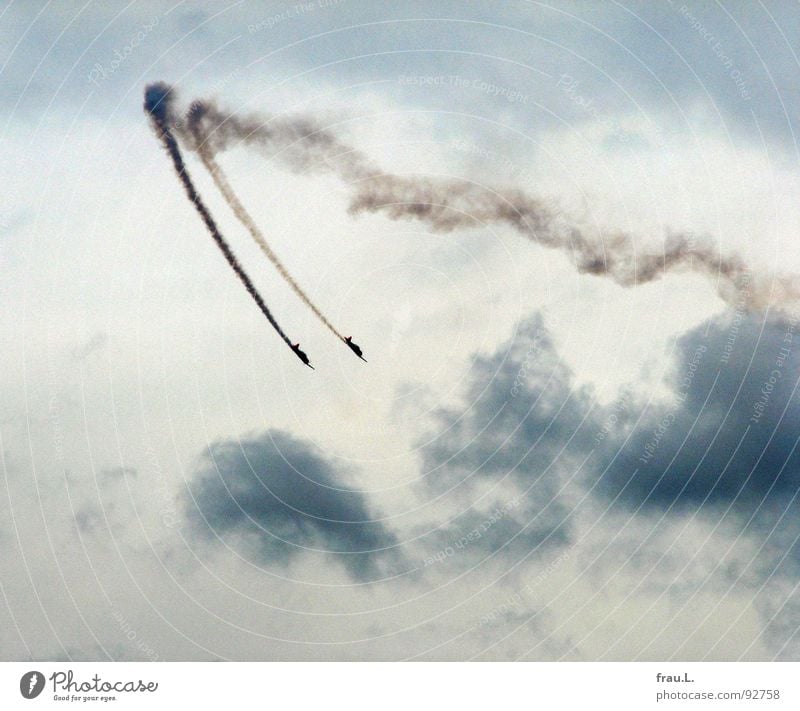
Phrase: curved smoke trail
(445, 205)
(156, 104)
(193, 120)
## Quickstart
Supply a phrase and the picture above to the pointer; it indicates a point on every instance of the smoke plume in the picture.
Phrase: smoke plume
(445, 205)
(301, 143)
(194, 122)
(157, 104)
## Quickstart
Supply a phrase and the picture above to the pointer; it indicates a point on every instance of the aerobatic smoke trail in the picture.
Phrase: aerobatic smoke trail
(300, 142)
(194, 119)
(446, 205)
(156, 105)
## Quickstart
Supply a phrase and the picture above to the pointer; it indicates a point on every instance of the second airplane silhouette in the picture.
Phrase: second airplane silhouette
(353, 347)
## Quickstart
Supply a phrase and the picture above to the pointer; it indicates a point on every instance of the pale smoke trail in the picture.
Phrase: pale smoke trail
(446, 205)
(157, 107)
(221, 181)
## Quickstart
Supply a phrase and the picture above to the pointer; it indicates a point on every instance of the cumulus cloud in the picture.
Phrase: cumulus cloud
(510, 450)
(725, 451)
(728, 436)
(717, 457)
(283, 498)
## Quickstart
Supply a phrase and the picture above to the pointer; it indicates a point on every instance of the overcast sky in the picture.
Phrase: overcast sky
(536, 463)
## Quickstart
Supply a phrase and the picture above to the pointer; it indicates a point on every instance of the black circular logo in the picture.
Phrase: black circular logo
(31, 684)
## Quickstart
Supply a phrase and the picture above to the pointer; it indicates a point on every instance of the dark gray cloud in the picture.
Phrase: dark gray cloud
(729, 436)
(722, 451)
(520, 429)
(779, 604)
(282, 496)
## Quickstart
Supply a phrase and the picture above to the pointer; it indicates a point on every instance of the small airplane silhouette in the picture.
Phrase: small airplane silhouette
(353, 347)
(302, 356)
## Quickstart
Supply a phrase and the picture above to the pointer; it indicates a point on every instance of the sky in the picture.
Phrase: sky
(536, 463)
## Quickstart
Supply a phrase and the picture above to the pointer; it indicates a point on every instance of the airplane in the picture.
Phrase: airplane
(353, 347)
(302, 356)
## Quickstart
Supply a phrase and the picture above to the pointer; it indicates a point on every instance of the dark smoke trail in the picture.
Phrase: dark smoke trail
(446, 205)
(299, 142)
(156, 105)
(194, 119)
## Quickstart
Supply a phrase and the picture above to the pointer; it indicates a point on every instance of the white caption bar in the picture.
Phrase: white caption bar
(39, 685)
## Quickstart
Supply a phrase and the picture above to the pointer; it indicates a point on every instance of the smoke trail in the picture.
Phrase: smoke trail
(446, 205)
(157, 106)
(194, 120)
(299, 142)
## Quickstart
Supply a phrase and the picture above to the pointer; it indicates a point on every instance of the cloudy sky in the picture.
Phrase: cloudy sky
(537, 463)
